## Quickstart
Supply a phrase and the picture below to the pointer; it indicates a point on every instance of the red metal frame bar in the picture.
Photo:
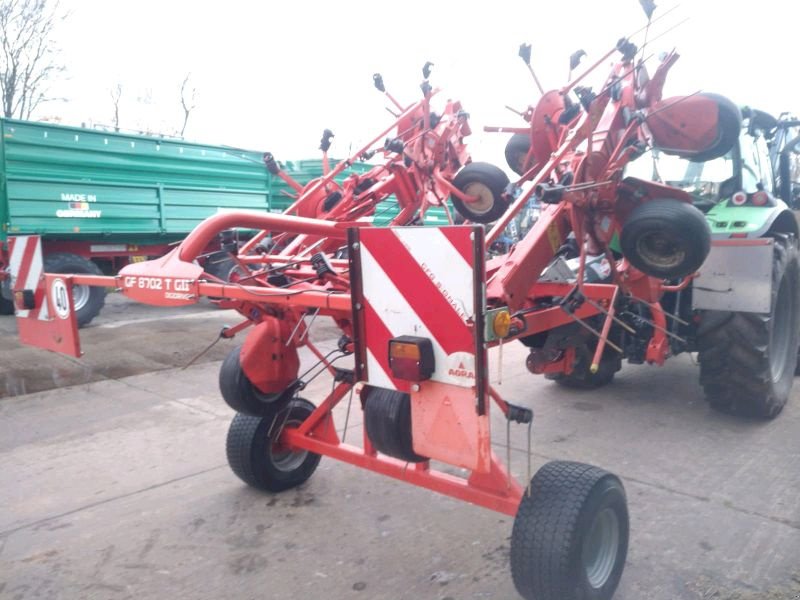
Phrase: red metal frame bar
(496, 489)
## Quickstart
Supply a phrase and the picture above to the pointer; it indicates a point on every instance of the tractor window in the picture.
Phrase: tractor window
(700, 179)
(756, 167)
(766, 164)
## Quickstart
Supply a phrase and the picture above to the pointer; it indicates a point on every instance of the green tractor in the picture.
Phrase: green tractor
(741, 314)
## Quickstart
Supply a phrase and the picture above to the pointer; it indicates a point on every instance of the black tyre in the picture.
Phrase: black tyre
(6, 306)
(582, 377)
(387, 418)
(88, 300)
(223, 266)
(570, 535)
(237, 390)
(666, 238)
(747, 360)
(729, 126)
(488, 183)
(256, 455)
(517, 150)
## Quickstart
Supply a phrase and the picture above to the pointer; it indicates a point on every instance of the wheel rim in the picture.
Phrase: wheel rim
(80, 296)
(283, 458)
(780, 335)
(600, 548)
(660, 249)
(485, 198)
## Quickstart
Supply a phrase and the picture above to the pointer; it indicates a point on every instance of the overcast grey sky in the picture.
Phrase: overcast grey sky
(272, 75)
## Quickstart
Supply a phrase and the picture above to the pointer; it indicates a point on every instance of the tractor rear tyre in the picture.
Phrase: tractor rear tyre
(582, 377)
(517, 150)
(387, 419)
(666, 238)
(256, 455)
(570, 535)
(488, 183)
(237, 390)
(747, 360)
(88, 300)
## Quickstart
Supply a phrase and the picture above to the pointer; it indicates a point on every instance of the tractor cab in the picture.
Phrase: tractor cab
(784, 150)
(745, 190)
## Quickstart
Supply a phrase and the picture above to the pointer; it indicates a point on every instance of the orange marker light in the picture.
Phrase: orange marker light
(501, 324)
(411, 358)
(403, 350)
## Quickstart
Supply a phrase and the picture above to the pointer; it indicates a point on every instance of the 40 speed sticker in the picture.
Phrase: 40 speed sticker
(60, 298)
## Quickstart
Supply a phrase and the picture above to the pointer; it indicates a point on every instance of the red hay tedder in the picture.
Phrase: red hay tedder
(420, 307)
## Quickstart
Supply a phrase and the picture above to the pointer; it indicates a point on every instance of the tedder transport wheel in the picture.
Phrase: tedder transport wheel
(570, 535)
(582, 377)
(488, 183)
(258, 458)
(387, 419)
(666, 238)
(88, 300)
(517, 149)
(747, 360)
(237, 390)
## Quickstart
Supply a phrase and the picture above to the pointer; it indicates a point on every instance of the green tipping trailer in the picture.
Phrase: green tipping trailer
(100, 199)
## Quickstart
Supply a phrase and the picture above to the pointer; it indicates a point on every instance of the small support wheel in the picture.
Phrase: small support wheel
(238, 391)
(516, 152)
(256, 454)
(570, 535)
(387, 419)
(666, 238)
(485, 182)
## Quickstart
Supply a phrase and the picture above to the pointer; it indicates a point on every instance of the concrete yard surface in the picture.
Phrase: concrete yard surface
(118, 488)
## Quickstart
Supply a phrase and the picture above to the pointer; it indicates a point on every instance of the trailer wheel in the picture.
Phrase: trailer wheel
(237, 390)
(570, 535)
(517, 149)
(488, 183)
(387, 419)
(582, 377)
(88, 300)
(666, 238)
(256, 455)
(748, 360)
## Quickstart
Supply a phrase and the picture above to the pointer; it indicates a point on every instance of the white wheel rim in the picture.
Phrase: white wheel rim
(485, 198)
(285, 459)
(600, 548)
(80, 296)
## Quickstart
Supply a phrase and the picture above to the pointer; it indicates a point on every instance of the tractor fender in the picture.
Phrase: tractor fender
(753, 221)
(783, 221)
(266, 360)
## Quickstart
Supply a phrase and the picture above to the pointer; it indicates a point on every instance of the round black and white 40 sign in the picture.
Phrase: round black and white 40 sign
(60, 298)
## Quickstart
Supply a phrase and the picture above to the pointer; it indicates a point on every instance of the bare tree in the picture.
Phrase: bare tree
(28, 61)
(116, 95)
(188, 101)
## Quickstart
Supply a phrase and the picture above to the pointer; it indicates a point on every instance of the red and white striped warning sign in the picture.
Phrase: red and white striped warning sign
(51, 324)
(419, 281)
(26, 268)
